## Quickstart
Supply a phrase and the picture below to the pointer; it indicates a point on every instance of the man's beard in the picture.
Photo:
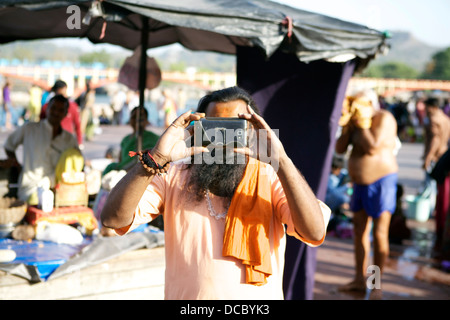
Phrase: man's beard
(220, 179)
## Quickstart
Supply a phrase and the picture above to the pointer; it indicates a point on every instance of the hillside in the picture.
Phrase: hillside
(407, 49)
(201, 60)
(404, 48)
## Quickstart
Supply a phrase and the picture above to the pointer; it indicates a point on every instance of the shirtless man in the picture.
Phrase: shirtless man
(373, 170)
(437, 135)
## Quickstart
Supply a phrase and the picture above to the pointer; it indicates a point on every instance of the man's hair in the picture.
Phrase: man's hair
(337, 162)
(58, 85)
(226, 95)
(432, 102)
(136, 109)
(60, 98)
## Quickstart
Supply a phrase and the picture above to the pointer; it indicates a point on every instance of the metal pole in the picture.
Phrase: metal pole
(142, 78)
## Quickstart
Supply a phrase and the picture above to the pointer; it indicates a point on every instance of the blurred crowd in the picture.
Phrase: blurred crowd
(90, 108)
(410, 114)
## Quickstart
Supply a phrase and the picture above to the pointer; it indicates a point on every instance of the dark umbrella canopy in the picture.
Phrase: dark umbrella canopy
(211, 25)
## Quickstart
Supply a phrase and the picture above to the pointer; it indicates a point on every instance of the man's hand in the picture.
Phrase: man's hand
(118, 211)
(171, 146)
(9, 163)
(346, 114)
(362, 113)
(264, 143)
(427, 164)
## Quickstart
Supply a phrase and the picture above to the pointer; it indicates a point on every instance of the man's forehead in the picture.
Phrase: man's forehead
(226, 109)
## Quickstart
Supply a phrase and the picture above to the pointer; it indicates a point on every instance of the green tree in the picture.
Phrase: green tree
(178, 66)
(23, 53)
(101, 56)
(391, 70)
(439, 66)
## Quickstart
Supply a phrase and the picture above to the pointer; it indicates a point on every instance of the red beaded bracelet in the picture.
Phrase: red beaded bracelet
(149, 163)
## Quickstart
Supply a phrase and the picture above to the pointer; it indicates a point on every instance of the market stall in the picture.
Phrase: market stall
(39, 244)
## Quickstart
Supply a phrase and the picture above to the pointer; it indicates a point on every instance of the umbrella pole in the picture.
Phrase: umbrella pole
(142, 79)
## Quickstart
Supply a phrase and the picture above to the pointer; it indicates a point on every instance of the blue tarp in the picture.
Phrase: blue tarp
(44, 255)
(39, 261)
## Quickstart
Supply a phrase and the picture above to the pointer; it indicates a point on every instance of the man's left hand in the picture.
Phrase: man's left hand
(264, 144)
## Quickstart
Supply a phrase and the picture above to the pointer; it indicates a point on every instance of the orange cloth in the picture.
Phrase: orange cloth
(247, 225)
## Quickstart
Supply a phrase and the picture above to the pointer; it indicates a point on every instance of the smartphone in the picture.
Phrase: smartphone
(217, 132)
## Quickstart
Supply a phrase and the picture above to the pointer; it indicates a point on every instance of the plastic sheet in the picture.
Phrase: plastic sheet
(39, 261)
(45, 256)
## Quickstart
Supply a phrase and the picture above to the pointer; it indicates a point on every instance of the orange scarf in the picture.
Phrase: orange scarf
(247, 224)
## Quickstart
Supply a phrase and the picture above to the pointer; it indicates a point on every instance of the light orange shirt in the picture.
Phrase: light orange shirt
(195, 267)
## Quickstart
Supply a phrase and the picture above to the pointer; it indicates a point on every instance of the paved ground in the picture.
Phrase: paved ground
(411, 272)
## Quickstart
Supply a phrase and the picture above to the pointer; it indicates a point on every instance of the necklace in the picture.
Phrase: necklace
(211, 210)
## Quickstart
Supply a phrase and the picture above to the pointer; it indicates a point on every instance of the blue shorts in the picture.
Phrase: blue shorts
(377, 197)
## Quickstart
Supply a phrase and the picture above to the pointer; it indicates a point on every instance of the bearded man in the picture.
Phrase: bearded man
(224, 223)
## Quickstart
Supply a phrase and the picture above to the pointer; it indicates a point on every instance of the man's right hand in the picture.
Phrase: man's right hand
(362, 113)
(346, 114)
(9, 163)
(171, 146)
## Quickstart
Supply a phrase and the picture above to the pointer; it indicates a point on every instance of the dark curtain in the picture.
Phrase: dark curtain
(303, 101)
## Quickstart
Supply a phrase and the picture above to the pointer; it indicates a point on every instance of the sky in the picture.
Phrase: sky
(427, 20)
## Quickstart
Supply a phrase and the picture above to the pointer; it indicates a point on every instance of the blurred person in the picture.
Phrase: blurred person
(86, 103)
(44, 143)
(420, 110)
(34, 106)
(131, 102)
(337, 197)
(398, 229)
(373, 168)
(437, 135)
(440, 173)
(383, 103)
(118, 102)
(71, 122)
(170, 108)
(415, 129)
(401, 115)
(129, 142)
(181, 100)
(446, 107)
(224, 222)
(45, 96)
(7, 106)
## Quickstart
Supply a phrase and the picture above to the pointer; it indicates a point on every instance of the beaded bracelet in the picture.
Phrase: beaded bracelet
(149, 163)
